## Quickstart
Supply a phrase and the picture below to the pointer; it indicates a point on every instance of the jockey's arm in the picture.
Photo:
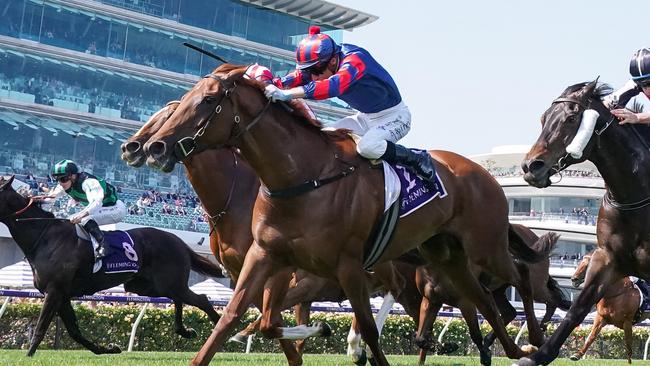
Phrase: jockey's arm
(95, 195)
(51, 195)
(352, 69)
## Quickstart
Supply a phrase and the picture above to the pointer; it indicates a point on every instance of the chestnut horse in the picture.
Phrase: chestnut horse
(438, 289)
(619, 307)
(319, 202)
(622, 156)
(228, 194)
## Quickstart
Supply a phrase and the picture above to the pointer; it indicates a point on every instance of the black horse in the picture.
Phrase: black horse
(62, 264)
(622, 155)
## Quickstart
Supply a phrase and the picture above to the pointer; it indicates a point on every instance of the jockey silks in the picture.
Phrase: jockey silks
(360, 81)
(77, 192)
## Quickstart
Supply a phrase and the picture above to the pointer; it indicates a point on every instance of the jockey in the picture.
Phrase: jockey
(327, 70)
(99, 198)
(640, 83)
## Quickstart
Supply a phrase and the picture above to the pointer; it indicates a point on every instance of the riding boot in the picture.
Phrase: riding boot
(419, 161)
(93, 229)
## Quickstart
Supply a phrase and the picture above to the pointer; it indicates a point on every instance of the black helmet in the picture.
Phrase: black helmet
(640, 65)
(64, 168)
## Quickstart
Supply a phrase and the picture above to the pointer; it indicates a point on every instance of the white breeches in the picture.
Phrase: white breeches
(107, 215)
(375, 129)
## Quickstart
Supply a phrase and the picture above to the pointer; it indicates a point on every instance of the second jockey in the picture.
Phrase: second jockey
(102, 206)
(327, 70)
(639, 84)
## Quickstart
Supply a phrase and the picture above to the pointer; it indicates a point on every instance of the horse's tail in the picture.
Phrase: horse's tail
(204, 266)
(531, 253)
(558, 295)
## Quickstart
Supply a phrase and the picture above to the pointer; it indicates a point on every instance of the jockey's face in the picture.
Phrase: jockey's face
(646, 90)
(329, 70)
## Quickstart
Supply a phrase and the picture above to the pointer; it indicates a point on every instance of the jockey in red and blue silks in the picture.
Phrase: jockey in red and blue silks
(640, 83)
(327, 70)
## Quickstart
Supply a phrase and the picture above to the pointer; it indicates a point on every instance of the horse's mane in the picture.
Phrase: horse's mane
(299, 109)
(601, 90)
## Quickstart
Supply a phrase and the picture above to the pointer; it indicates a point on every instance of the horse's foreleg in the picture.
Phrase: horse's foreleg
(627, 327)
(428, 313)
(51, 304)
(600, 274)
(535, 336)
(595, 330)
(258, 267)
(66, 312)
(250, 329)
(550, 310)
(469, 314)
(302, 312)
(357, 293)
(508, 313)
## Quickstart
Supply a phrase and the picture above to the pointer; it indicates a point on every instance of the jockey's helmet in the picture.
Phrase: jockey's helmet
(640, 66)
(64, 168)
(316, 50)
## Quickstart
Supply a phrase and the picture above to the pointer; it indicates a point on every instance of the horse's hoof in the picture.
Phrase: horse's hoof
(528, 349)
(239, 338)
(524, 361)
(114, 349)
(575, 357)
(446, 348)
(326, 330)
(362, 358)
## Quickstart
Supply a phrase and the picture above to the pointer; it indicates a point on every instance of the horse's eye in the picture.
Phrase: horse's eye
(208, 99)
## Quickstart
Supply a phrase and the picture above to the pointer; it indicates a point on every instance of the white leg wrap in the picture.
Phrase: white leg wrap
(382, 315)
(354, 339)
(300, 332)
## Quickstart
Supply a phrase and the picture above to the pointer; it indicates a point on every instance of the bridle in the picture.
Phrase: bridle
(561, 163)
(214, 219)
(188, 145)
(19, 212)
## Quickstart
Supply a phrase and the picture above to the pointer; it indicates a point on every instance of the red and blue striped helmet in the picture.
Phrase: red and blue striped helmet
(640, 65)
(316, 49)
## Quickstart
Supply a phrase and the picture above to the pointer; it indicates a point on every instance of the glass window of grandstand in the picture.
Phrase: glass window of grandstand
(62, 84)
(568, 253)
(230, 17)
(570, 210)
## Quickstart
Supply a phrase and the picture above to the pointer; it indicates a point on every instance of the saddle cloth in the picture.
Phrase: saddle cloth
(121, 257)
(644, 303)
(413, 192)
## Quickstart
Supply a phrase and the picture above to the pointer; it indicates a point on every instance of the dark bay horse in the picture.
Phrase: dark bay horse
(324, 228)
(227, 187)
(622, 156)
(438, 289)
(62, 266)
(619, 307)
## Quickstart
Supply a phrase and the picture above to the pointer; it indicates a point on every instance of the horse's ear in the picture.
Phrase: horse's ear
(4, 183)
(588, 90)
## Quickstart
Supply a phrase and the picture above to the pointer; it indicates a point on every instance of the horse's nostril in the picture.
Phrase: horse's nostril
(157, 148)
(536, 165)
(132, 147)
(524, 166)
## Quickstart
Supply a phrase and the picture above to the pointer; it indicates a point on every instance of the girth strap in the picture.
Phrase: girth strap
(307, 186)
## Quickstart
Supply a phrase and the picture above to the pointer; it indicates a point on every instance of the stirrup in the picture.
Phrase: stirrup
(100, 253)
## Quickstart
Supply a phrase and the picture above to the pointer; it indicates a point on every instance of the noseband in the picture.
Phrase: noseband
(188, 145)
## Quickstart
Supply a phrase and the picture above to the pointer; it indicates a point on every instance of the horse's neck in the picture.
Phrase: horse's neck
(27, 233)
(284, 152)
(624, 162)
(231, 187)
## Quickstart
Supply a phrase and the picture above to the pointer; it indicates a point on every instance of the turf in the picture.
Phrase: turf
(85, 358)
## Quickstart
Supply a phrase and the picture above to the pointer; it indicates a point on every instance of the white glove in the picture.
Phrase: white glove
(274, 93)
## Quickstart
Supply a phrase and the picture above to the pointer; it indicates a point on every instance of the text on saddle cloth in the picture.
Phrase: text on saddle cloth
(121, 257)
(412, 191)
(644, 304)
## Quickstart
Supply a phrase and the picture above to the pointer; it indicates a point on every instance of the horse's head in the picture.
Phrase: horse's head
(10, 200)
(579, 275)
(132, 151)
(212, 114)
(567, 127)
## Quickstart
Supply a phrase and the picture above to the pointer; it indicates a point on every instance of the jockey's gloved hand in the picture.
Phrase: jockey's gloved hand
(620, 97)
(274, 93)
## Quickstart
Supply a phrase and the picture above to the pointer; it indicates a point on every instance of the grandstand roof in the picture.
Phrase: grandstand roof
(321, 12)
